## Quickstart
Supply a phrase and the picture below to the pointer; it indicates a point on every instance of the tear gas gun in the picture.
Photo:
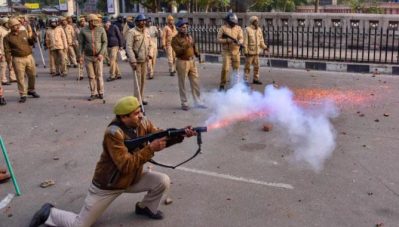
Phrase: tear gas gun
(225, 36)
(175, 136)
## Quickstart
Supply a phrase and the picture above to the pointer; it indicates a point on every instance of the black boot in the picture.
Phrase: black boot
(33, 94)
(221, 88)
(147, 212)
(22, 99)
(2, 101)
(41, 215)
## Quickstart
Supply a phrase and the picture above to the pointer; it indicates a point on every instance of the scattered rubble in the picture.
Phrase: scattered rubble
(47, 183)
(386, 115)
(377, 120)
(168, 201)
(267, 127)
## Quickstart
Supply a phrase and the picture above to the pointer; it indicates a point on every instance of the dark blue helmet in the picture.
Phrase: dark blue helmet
(181, 23)
(232, 18)
(140, 17)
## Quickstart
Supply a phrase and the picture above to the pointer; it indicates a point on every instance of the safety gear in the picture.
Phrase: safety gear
(126, 105)
(3, 20)
(12, 22)
(180, 23)
(231, 18)
(140, 17)
(170, 18)
(92, 17)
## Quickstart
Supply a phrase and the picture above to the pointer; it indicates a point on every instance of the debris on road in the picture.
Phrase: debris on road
(56, 158)
(47, 183)
(168, 201)
(267, 127)
(386, 115)
(379, 225)
(377, 120)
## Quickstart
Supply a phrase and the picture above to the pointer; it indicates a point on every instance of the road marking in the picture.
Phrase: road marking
(241, 179)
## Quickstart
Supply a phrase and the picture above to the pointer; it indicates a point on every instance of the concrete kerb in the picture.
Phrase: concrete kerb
(327, 66)
(312, 65)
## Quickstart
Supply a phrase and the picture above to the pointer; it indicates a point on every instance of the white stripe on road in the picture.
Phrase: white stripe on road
(241, 179)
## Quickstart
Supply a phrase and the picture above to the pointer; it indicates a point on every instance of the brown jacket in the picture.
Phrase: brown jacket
(253, 41)
(56, 38)
(236, 33)
(138, 45)
(167, 34)
(70, 34)
(117, 168)
(18, 45)
(183, 48)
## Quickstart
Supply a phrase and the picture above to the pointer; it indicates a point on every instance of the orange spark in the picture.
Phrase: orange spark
(241, 117)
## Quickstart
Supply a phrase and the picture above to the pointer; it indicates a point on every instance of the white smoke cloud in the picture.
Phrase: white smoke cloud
(309, 131)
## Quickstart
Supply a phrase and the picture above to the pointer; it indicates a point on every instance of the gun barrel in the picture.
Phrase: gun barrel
(182, 131)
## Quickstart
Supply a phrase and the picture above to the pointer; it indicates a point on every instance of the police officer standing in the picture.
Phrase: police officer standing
(231, 37)
(184, 47)
(138, 49)
(3, 63)
(70, 37)
(93, 46)
(18, 49)
(57, 43)
(253, 43)
(155, 33)
(119, 171)
(169, 31)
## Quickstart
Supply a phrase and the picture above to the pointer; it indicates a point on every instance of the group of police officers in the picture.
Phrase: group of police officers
(120, 170)
(93, 40)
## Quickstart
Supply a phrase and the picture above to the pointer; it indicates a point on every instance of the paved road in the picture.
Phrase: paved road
(232, 182)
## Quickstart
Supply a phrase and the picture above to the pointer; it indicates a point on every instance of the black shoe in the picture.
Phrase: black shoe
(118, 77)
(22, 99)
(64, 75)
(92, 97)
(2, 101)
(256, 82)
(100, 96)
(41, 215)
(80, 78)
(172, 73)
(5, 83)
(150, 78)
(147, 212)
(57, 74)
(145, 103)
(33, 94)
(75, 66)
(185, 108)
(109, 79)
(13, 81)
(221, 88)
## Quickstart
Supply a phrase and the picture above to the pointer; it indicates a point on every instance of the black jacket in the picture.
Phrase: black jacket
(114, 36)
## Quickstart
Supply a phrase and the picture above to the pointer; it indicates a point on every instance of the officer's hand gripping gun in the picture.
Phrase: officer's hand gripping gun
(173, 135)
(225, 36)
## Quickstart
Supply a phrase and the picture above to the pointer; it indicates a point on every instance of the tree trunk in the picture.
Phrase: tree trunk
(316, 6)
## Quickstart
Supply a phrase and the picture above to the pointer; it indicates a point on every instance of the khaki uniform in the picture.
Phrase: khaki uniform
(253, 44)
(71, 40)
(91, 44)
(186, 67)
(167, 34)
(57, 44)
(155, 33)
(117, 172)
(138, 49)
(230, 50)
(3, 63)
(18, 49)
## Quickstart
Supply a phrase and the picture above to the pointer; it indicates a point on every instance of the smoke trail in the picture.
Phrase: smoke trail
(309, 131)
